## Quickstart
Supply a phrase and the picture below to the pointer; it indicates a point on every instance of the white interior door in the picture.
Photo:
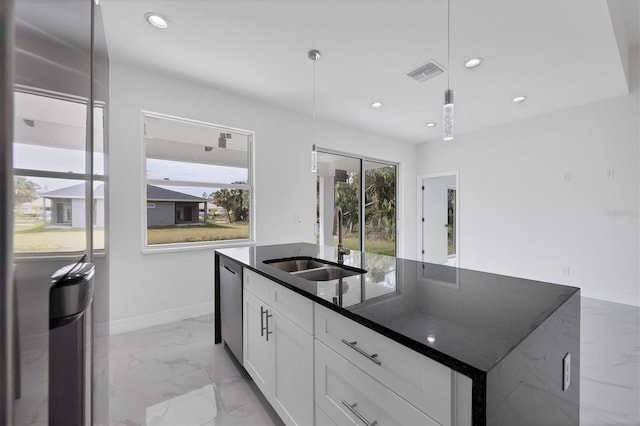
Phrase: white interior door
(434, 225)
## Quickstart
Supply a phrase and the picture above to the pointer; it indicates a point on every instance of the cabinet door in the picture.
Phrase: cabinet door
(257, 358)
(349, 396)
(292, 389)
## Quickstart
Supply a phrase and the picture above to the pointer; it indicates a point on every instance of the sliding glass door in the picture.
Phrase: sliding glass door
(371, 200)
(380, 207)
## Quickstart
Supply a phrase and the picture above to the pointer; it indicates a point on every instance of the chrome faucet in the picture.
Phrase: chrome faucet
(337, 230)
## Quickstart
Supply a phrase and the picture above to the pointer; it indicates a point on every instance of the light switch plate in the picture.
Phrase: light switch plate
(566, 372)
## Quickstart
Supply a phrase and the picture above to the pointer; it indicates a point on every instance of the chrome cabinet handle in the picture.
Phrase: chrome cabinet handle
(363, 419)
(267, 327)
(353, 346)
(262, 327)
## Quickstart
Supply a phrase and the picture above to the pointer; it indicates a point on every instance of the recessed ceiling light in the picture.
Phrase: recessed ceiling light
(518, 99)
(473, 62)
(376, 104)
(156, 20)
(431, 124)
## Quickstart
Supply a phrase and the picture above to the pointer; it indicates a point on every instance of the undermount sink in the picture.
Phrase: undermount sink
(326, 273)
(296, 264)
(312, 269)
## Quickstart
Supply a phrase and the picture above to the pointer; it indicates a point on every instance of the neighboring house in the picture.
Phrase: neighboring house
(31, 207)
(166, 207)
(67, 206)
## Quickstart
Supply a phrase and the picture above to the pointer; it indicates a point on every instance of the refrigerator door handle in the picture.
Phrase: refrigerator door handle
(16, 346)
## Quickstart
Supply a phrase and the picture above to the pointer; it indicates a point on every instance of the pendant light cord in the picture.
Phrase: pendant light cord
(313, 114)
(448, 41)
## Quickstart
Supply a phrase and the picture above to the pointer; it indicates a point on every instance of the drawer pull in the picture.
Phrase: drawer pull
(353, 345)
(363, 419)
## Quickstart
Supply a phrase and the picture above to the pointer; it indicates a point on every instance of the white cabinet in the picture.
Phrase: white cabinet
(256, 352)
(292, 390)
(349, 396)
(422, 381)
(348, 374)
(278, 354)
(440, 394)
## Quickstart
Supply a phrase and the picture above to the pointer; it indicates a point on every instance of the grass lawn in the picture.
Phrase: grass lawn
(386, 247)
(37, 238)
(188, 233)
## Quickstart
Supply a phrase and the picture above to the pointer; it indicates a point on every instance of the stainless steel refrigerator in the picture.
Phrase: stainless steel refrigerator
(54, 211)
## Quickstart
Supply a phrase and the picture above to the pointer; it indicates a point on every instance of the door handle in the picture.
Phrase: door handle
(229, 269)
(262, 327)
(268, 315)
(17, 391)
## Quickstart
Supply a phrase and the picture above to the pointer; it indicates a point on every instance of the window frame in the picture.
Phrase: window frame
(250, 186)
(88, 177)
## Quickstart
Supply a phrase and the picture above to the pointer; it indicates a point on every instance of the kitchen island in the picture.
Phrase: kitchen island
(516, 342)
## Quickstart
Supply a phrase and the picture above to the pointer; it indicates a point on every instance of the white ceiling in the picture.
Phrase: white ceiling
(559, 53)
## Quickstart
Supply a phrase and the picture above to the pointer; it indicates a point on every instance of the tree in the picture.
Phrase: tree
(24, 190)
(347, 198)
(234, 201)
(380, 196)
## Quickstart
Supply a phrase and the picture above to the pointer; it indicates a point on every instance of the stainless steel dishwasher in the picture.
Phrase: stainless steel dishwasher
(231, 305)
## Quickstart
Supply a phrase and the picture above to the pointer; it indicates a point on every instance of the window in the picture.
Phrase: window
(62, 213)
(340, 184)
(198, 182)
(51, 174)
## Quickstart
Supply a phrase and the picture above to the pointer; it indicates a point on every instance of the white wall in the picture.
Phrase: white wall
(152, 288)
(518, 215)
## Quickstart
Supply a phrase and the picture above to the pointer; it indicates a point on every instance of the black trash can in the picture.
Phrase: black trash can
(70, 295)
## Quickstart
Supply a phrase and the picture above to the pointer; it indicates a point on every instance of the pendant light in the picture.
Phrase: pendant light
(314, 55)
(447, 109)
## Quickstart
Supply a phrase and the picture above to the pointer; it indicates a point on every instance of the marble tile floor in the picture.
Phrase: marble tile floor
(173, 374)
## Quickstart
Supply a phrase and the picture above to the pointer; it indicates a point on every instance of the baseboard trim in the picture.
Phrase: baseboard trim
(158, 318)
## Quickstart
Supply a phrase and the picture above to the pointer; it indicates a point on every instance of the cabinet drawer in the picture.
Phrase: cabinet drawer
(322, 419)
(418, 379)
(292, 305)
(349, 396)
(256, 284)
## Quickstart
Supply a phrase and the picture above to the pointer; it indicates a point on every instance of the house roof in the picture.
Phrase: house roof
(74, 191)
(156, 193)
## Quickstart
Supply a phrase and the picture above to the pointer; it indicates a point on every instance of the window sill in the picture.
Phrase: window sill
(171, 248)
(71, 255)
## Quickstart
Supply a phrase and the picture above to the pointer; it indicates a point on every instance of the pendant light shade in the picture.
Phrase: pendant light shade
(447, 109)
(447, 115)
(314, 55)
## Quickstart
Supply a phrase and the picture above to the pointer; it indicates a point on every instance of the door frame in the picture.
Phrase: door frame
(420, 211)
(363, 159)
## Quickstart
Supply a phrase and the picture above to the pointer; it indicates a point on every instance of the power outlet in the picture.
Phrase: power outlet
(566, 372)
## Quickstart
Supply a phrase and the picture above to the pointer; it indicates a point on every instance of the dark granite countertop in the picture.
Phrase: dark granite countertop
(467, 320)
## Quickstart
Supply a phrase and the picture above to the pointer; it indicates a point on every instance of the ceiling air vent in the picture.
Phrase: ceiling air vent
(426, 71)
